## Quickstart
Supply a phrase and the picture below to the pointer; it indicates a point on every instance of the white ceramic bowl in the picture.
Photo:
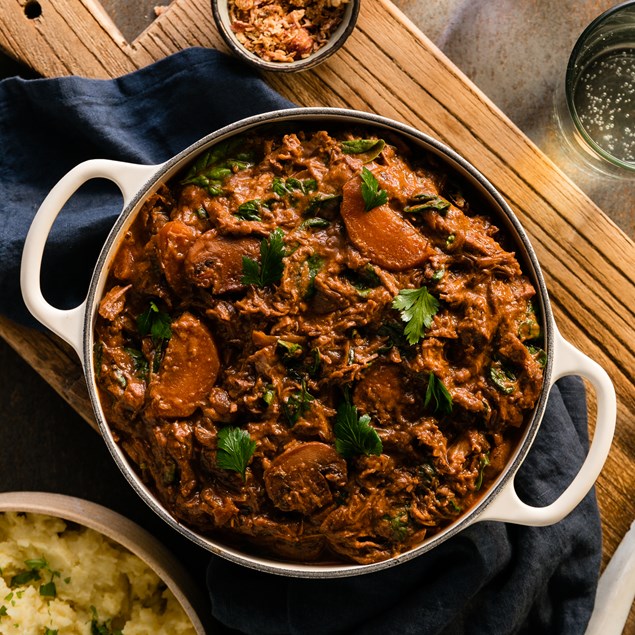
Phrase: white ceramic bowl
(122, 531)
(221, 16)
(500, 502)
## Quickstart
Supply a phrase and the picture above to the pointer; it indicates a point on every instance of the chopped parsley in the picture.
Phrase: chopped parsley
(354, 434)
(24, 577)
(437, 392)
(297, 404)
(3, 610)
(48, 590)
(372, 195)
(235, 448)
(417, 308)
(155, 323)
(271, 266)
(105, 628)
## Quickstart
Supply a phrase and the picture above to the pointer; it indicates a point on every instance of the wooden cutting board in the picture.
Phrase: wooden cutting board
(388, 67)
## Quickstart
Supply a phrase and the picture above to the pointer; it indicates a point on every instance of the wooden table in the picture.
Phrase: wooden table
(388, 67)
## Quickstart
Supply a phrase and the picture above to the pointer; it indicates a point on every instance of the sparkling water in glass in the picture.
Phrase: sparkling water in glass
(597, 115)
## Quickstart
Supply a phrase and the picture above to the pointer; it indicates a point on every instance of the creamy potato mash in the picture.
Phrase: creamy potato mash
(58, 578)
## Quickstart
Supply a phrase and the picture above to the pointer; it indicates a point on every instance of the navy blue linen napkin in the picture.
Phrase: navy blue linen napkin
(492, 578)
(47, 126)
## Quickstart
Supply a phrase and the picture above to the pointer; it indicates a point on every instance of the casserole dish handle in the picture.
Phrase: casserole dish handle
(68, 323)
(507, 506)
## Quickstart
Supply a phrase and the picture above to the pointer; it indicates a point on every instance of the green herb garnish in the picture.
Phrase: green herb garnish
(363, 279)
(297, 404)
(270, 267)
(417, 308)
(48, 590)
(50, 631)
(438, 274)
(314, 264)
(3, 610)
(322, 202)
(316, 221)
(371, 148)
(289, 351)
(140, 362)
(269, 395)
(214, 166)
(437, 392)
(24, 577)
(539, 354)
(282, 188)
(399, 524)
(483, 463)
(249, 210)
(155, 323)
(354, 434)
(503, 378)
(372, 195)
(426, 202)
(235, 448)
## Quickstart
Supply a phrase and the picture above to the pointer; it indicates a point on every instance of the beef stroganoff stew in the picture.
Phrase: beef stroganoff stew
(317, 345)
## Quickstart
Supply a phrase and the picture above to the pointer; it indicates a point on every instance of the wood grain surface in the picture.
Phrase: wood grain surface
(389, 67)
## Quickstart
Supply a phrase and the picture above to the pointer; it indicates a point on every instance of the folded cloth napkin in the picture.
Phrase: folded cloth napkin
(492, 578)
(47, 126)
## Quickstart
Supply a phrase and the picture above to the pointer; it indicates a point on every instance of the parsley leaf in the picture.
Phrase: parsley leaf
(235, 448)
(417, 308)
(354, 434)
(437, 391)
(270, 267)
(372, 195)
(155, 323)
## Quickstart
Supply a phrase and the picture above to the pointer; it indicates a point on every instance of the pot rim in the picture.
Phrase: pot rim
(455, 162)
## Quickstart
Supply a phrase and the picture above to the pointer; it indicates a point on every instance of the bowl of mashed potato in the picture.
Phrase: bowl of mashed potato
(72, 567)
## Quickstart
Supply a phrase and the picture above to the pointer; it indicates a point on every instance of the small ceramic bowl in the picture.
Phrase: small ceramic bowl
(122, 531)
(220, 10)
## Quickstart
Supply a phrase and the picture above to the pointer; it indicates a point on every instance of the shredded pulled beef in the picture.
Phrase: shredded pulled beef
(257, 367)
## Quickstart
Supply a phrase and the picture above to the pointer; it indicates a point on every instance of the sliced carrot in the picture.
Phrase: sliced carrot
(188, 370)
(382, 234)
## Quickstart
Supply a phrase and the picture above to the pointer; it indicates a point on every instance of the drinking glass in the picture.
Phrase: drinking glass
(596, 112)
